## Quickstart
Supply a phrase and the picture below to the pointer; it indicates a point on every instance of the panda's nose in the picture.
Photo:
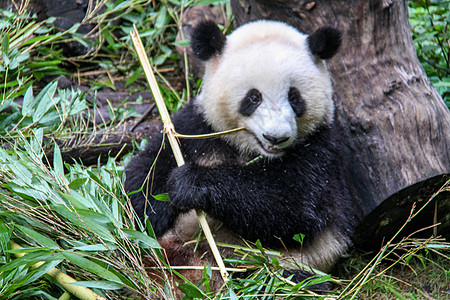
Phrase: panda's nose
(275, 140)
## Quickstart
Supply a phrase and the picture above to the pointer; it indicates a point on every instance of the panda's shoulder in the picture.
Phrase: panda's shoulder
(189, 120)
(324, 145)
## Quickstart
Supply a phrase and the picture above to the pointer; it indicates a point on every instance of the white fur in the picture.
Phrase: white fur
(271, 57)
(321, 254)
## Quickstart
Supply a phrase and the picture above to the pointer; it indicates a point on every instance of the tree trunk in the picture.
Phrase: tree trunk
(395, 124)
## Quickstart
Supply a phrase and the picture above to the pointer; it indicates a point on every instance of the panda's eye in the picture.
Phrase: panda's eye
(250, 102)
(296, 101)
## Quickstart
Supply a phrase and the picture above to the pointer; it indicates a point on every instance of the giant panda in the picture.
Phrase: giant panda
(272, 80)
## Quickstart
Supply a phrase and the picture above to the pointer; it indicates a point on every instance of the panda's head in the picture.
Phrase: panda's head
(268, 78)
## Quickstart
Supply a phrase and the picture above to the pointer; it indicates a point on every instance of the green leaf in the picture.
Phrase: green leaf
(144, 240)
(161, 197)
(77, 183)
(57, 161)
(97, 180)
(46, 101)
(91, 266)
(28, 102)
(36, 141)
(27, 250)
(77, 200)
(5, 44)
(42, 270)
(5, 104)
(309, 282)
(90, 220)
(5, 236)
(319, 279)
(95, 248)
(30, 259)
(100, 284)
(299, 238)
(232, 294)
(183, 43)
(50, 118)
(161, 19)
(39, 238)
(208, 2)
(136, 74)
(191, 290)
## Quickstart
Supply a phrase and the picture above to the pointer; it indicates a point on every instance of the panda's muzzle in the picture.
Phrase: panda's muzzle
(275, 145)
(275, 140)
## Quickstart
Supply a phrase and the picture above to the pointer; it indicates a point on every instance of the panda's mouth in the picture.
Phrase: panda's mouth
(270, 149)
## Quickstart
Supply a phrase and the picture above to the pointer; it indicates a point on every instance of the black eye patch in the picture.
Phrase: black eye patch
(250, 102)
(296, 101)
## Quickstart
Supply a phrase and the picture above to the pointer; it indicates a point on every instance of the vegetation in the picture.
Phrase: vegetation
(77, 218)
(430, 23)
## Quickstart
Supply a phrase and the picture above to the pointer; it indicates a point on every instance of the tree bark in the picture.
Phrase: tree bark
(396, 126)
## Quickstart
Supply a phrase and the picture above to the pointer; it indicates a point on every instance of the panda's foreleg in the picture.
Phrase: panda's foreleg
(146, 175)
(247, 203)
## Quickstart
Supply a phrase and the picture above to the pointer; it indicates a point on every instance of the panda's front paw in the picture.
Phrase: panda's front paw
(185, 192)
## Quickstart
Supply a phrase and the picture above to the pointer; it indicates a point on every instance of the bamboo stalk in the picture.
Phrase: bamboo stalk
(169, 129)
(63, 279)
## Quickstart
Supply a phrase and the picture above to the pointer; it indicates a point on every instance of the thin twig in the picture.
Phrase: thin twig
(207, 135)
(144, 115)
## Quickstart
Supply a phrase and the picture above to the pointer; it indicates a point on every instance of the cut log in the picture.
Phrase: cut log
(396, 126)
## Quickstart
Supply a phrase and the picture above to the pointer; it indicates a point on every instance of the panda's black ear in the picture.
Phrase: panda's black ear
(207, 40)
(325, 42)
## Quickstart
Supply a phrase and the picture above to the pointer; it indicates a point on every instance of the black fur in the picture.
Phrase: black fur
(250, 102)
(302, 192)
(207, 40)
(296, 101)
(325, 42)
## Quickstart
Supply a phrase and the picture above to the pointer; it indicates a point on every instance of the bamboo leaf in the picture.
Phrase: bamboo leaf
(87, 219)
(46, 100)
(77, 200)
(191, 290)
(162, 19)
(95, 248)
(209, 2)
(28, 102)
(91, 266)
(27, 250)
(40, 271)
(161, 197)
(77, 183)
(97, 180)
(39, 238)
(104, 285)
(5, 44)
(136, 74)
(144, 240)
(30, 259)
(57, 161)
